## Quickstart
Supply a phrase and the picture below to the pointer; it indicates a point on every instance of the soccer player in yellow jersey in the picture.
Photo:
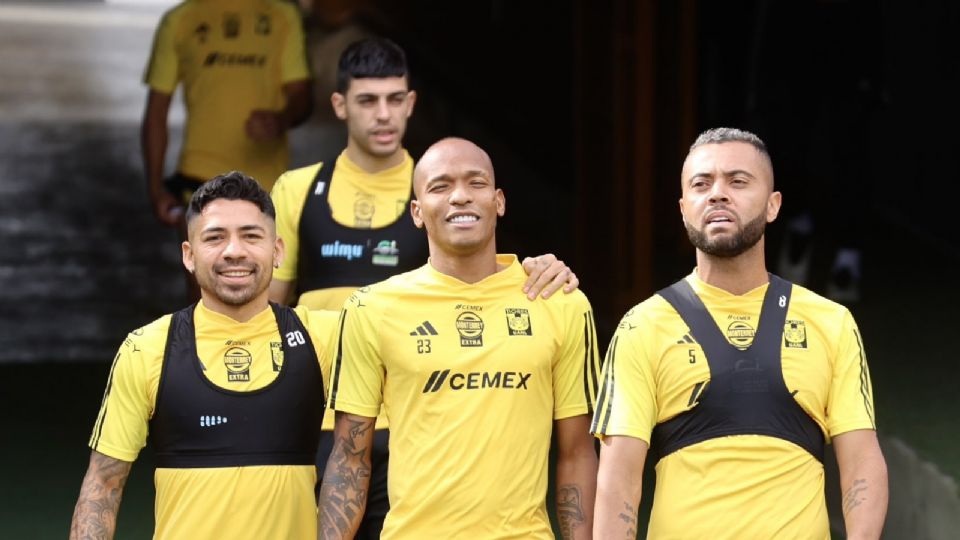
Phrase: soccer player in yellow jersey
(473, 378)
(345, 220)
(245, 83)
(732, 380)
(229, 389)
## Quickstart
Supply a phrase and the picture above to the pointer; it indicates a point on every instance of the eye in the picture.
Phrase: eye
(366, 101)
(437, 188)
(397, 99)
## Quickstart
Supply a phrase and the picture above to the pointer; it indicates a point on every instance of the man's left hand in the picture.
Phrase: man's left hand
(546, 275)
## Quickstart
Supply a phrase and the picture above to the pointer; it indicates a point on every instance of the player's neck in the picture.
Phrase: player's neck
(372, 164)
(240, 314)
(466, 267)
(736, 275)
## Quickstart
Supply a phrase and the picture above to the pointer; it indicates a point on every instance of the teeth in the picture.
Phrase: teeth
(463, 219)
(236, 274)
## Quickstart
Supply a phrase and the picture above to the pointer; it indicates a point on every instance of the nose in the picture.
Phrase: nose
(234, 249)
(383, 109)
(718, 192)
(460, 194)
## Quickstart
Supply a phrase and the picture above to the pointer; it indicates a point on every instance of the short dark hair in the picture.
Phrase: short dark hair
(370, 58)
(233, 186)
(727, 134)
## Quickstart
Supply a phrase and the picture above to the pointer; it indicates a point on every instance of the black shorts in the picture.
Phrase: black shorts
(182, 187)
(377, 502)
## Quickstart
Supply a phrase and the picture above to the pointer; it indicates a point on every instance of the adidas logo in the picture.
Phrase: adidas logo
(687, 339)
(206, 420)
(425, 329)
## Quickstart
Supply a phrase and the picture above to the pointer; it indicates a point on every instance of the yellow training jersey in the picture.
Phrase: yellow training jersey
(233, 56)
(229, 502)
(384, 196)
(742, 486)
(472, 377)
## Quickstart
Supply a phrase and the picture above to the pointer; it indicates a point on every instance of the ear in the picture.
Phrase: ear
(279, 252)
(339, 103)
(773, 206)
(683, 215)
(501, 203)
(411, 101)
(187, 250)
(415, 213)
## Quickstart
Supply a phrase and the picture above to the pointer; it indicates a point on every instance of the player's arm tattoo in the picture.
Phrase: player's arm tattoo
(569, 509)
(346, 479)
(855, 495)
(95, 516)
(629, 516)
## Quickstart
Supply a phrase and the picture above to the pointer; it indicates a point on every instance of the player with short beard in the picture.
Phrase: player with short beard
(733, 381)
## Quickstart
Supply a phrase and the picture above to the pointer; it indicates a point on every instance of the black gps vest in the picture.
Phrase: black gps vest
(198, 424)
(333, 255)
(746, 394)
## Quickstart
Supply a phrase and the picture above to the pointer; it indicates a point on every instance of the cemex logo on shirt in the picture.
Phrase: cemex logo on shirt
(476, 380)
(234, 59)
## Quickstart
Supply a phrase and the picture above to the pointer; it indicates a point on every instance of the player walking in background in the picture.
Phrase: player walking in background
(245, 83)
(346, 224)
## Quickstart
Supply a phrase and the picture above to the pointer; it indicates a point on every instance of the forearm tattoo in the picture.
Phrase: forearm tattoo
(629, 516)
(95, 516)
(343, 494)
(855, 495)
(569, 510)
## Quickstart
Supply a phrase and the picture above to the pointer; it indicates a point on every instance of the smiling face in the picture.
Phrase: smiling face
(376, 112)
(728, 197)
(457, 200)
(232, 249)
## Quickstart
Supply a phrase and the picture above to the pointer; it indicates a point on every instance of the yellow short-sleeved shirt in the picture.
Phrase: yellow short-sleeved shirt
(472, 377)
(743, 486)
(229, 502)
(232, 56)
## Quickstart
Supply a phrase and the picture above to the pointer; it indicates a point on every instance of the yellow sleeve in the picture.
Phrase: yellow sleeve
(293, 62)
(850, 403)
(289, 194)
(627, 404)
(128, 401)
(322, 327)
(576, 369)
(161, 73)
(358, 370)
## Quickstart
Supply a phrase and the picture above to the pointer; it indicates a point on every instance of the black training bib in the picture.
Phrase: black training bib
(198, 424)
(746, 394)
(333, 255)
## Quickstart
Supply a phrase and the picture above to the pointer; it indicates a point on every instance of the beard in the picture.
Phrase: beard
(232, 295)
(729, 246)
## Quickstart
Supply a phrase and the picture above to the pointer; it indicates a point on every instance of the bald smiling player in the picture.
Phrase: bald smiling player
(473, 377)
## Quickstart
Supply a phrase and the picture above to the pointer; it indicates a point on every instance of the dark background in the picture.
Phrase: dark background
(587, 109)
